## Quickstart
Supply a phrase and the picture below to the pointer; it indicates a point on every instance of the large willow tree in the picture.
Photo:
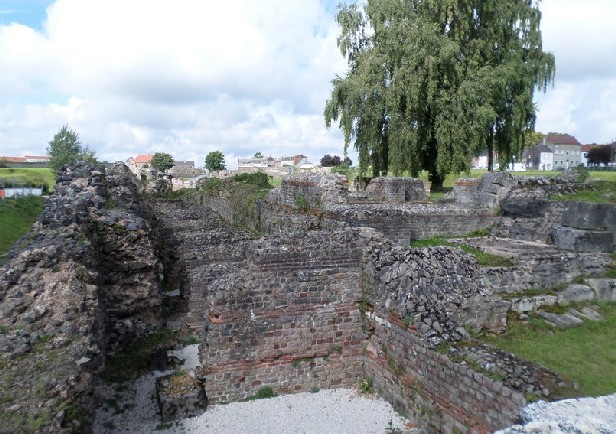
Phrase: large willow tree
(431, 83)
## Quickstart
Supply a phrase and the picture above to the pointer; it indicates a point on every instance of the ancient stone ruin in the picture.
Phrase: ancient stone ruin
(317, 289)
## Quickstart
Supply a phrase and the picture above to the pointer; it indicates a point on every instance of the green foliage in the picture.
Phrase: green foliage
(65, 148)
(215, 161)
(301, 203)
(162, 161)
(262, 393)
(29, 178)
(210, 186)
(430, 85)
(600, 192)
(582, 174)
(583, 354)
(366, 386)
(599, 155)
(258, 179)
(484, 259)
(16, 218)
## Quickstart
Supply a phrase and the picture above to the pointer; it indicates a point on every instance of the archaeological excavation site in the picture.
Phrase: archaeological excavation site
(303, 287)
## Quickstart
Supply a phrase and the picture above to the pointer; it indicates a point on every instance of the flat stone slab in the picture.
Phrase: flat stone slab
(564, 321)
(584, 241)
(586, 313)
(605, 289)
(575, 293)
(180, 396)
(531, 304)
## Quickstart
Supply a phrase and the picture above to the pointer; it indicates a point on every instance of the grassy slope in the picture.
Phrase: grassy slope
(28, 176)
(16, 218)
(585, 354)
(17, 215)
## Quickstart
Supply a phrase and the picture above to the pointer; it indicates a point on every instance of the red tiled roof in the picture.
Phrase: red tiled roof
(13, 159)
(562, 139)
(586, 148)
(143, 158)
(37, 157)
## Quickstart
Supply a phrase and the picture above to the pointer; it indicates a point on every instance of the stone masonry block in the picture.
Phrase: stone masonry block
(583, 241)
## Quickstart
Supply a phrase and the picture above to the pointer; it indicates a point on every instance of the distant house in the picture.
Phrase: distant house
(138, 163)
(304, 164)
(250, 165)
(14, 159)
(584, 156)
(37, 158)
(566, 149)
(539, 157)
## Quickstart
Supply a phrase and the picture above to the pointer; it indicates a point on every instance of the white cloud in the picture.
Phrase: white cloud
(583, 38)
(182, 76)
(240, 76)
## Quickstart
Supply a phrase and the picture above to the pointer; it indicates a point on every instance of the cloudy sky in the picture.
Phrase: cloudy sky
(191, 76)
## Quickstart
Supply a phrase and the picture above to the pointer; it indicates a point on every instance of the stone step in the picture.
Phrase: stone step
(562, 321)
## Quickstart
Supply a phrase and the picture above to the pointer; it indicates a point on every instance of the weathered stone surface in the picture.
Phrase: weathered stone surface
(605, 289)
(562, 321)
(583, 241)
(179, 396)
(397, 190)
(575, 293)
(81, 283)
(524, 207)
(531, 304)
(586, 313)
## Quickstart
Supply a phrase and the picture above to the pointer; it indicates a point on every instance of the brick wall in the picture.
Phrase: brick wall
(285, 318)
(426, 386)
(403, 223)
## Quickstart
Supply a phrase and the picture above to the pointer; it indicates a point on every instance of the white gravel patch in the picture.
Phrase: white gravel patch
(327, 411)
(570, 416)
(133, 409)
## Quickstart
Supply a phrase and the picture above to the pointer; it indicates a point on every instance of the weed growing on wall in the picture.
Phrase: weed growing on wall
(366, 386)
(263, 393)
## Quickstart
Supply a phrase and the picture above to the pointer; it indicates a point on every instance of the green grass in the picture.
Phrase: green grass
(263, 393)
(28, 177)
(584, 354)
(602, 176)
(275, 182)
(16, 218)
(483, 259)
(603, 192)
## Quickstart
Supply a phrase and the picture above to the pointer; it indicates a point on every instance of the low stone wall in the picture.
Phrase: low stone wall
(429, 388)
(313, 190)
(404, 223)
(591, 216)
(397, 190)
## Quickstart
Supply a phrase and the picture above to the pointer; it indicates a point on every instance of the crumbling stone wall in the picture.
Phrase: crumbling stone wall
(82, 282)
(392, 190)
(404, 223)
(310, 189)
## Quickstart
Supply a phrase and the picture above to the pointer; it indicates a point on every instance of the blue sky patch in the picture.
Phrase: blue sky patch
(31, 13)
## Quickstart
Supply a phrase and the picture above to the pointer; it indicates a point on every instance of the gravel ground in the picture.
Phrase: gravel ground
(570, 416)
(133, 410)
(327, 411)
